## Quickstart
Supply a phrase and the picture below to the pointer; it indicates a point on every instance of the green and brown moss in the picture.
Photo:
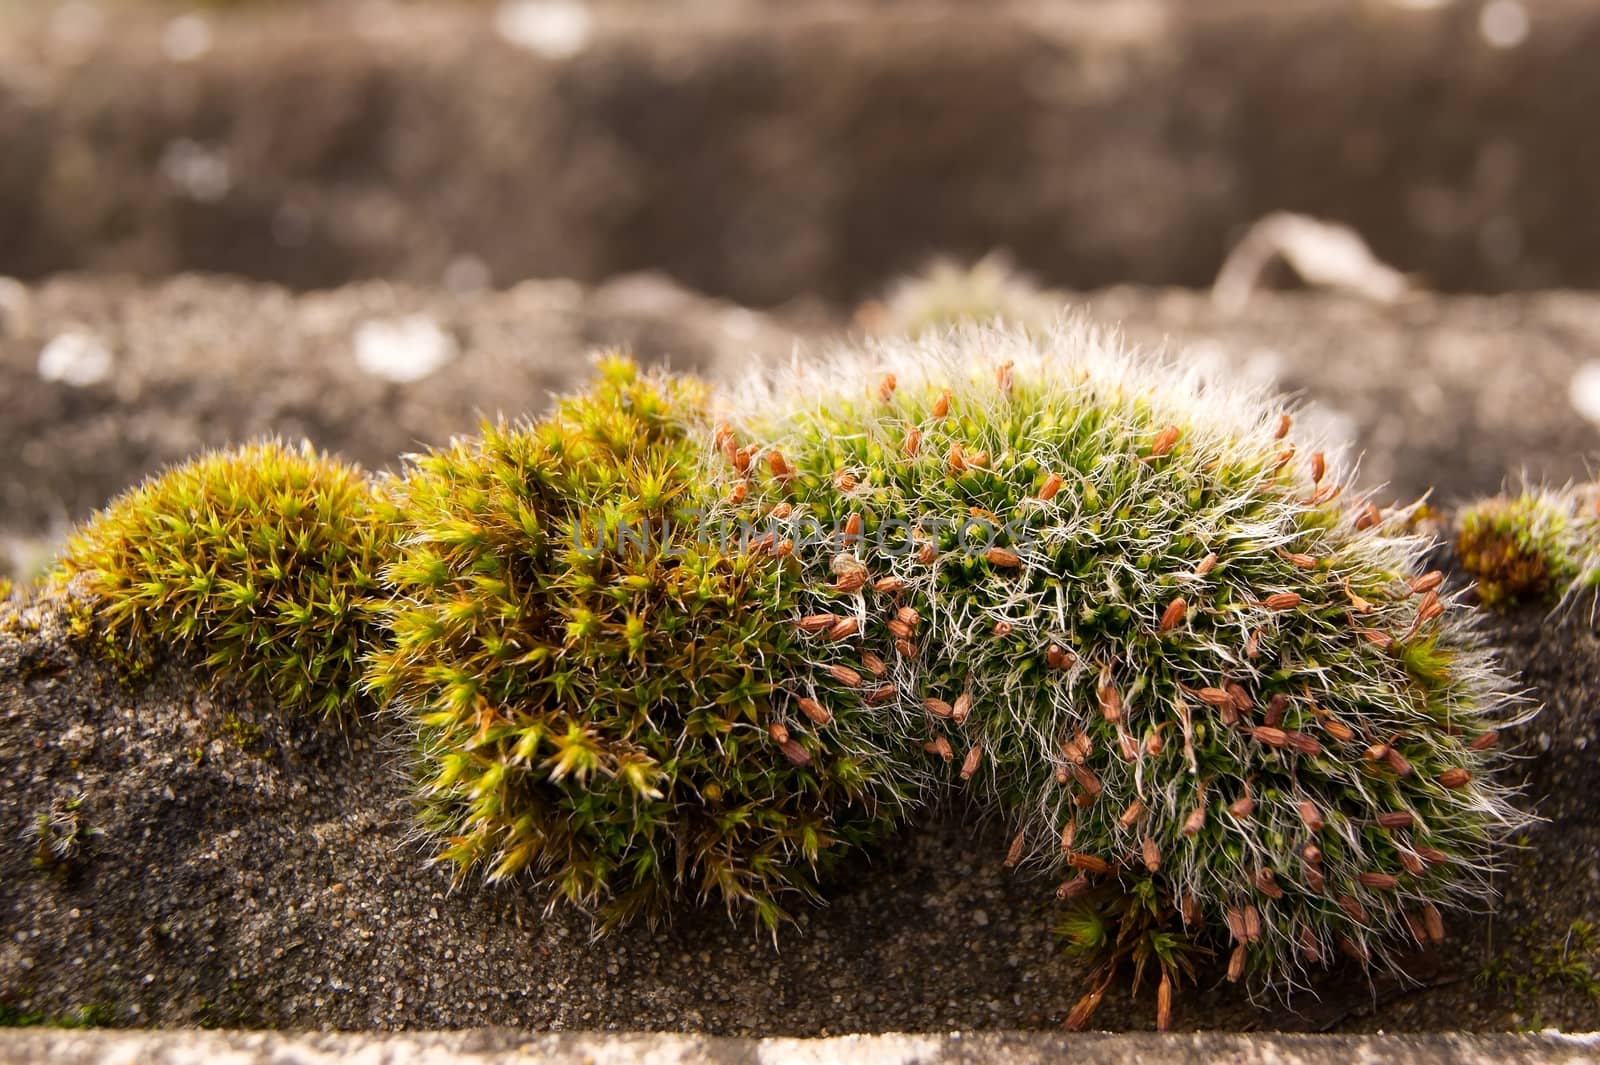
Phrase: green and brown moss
(1539, 547)
(61, 836)
(669, 646)
(94, 1015)
(597, 681)
(1542, 963)
(1130, 611)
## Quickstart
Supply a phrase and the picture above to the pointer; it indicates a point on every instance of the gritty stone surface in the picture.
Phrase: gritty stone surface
(234, 867)
(1452, 393)
(760, 150)
(505, 1048)
(370, 371)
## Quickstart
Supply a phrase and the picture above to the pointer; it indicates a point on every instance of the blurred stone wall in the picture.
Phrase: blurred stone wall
(761, 151)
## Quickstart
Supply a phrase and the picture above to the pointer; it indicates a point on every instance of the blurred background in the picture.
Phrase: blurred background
(371, 222)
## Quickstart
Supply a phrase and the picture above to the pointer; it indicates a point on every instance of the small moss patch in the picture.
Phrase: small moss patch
(264, 558)
(90, 1016)
(1525, 549)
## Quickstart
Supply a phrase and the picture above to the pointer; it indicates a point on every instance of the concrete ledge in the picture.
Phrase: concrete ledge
(199, 362)
(492, 1047)
(272, 883)
(1451, 393)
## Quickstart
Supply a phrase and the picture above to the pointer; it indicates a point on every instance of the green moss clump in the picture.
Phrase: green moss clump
(948, 295)
(1536, 547)
(60, 835)
(264, 558)
(600, 684)
(1542, 963)
(1129, 609)
(246, 736)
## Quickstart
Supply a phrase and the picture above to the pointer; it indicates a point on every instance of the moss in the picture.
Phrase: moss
(1543, 964)
(246, 736)
(90, 1016)
(1524, 549)
(130, 661)
(1541, 547)
(264, 558)
(598, 684)
(226, 1010)
(668, 646)
(948, 295)
(61, 836)
(1130, 610)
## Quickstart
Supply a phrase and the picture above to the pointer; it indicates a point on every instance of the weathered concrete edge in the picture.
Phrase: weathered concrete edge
(495, 1046)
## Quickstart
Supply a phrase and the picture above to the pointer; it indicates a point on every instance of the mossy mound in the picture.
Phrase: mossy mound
(1540, 546)
(263, 558)
(598, 682)
(1137, 616)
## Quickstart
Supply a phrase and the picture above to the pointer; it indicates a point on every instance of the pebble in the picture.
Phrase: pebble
(403, 350)
(554, 29)
(78, 360)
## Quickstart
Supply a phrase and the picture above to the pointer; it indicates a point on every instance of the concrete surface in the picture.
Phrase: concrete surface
(506, 1048)
(194, 363)
(1452, 393)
